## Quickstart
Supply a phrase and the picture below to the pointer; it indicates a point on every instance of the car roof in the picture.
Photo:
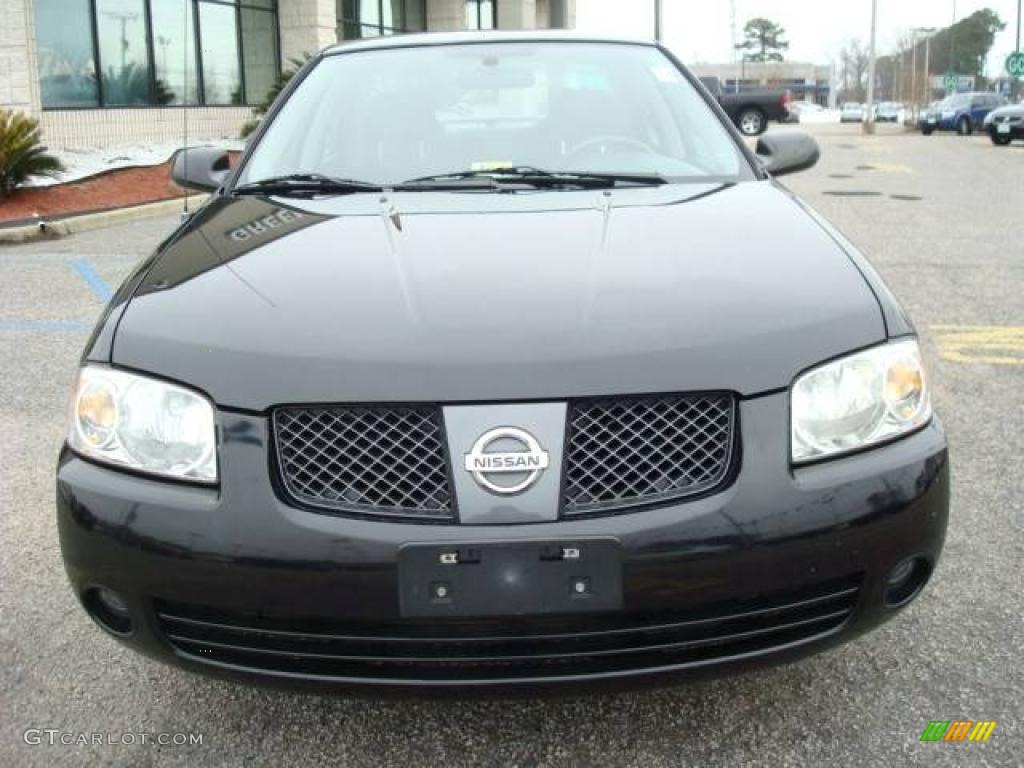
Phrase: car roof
(495, 36)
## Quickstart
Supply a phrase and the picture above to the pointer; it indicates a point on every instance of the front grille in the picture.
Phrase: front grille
(383, 460)
(627, 451)
(392, 460)
(526, 648)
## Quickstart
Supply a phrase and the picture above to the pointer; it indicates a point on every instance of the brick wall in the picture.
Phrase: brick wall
(84, 128)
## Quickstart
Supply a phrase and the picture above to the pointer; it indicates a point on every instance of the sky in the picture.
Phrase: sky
(699, 30)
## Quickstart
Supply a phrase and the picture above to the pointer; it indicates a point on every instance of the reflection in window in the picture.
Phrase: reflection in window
(121, 28)
(480, 14)
(67, 70)
(373, 18)
(145, 52)
(259, 53)
(174, 52)
(222, 79)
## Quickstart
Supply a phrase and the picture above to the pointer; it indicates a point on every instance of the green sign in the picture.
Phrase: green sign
(1015, 64)
(951, 81)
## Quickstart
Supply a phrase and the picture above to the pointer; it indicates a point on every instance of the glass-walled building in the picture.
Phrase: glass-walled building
(137, 53)
(104, 72)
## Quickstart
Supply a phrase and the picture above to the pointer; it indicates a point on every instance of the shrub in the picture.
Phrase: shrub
(21, 154)
(282, 80)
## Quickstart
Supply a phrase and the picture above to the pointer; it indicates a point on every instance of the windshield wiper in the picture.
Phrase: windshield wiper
(305, 183)
(537, 177)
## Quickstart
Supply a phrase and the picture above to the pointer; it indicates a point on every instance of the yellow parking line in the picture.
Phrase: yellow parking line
(891, 168)
(992, 344)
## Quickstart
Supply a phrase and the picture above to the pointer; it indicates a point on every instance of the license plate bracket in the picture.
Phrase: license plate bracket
(510, 578)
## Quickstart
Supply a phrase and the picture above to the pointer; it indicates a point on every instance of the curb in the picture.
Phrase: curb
(44, 230)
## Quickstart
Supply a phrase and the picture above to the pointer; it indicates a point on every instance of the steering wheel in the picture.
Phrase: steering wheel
(626, 141)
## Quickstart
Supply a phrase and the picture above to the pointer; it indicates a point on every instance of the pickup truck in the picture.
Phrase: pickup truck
(750, 111)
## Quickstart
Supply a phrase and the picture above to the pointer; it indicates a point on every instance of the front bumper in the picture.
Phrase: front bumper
(1016, 129)
(234, 581)
(937, 124)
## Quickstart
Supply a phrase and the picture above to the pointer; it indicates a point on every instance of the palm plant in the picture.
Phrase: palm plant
(21, 154)
(280, 82)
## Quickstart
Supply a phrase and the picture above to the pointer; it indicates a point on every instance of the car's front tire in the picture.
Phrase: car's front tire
(751, 122)
(1000, 140)
(927, 131)
(963, 126)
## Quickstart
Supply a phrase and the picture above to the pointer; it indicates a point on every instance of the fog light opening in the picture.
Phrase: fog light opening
(109, 609)
(906, 580)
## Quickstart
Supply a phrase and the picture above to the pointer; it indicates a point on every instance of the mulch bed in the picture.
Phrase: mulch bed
(115, 188)
(109, 189)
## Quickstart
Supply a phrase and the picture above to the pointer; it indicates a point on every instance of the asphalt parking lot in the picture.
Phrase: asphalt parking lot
(940, 217)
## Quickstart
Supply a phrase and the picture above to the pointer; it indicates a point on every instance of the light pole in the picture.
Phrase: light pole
(914, 92)
(869, 122)
(927, 69)
(913, 73)
(657, 20)
(1015, 83)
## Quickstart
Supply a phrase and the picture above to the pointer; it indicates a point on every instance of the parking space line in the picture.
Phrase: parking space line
(991, 344)
(46, 326)
(93, 280)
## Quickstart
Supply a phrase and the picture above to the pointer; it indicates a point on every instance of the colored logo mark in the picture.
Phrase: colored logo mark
(958, 730)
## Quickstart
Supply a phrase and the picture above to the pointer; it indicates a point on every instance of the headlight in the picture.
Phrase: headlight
(142, 423)
(860, 400)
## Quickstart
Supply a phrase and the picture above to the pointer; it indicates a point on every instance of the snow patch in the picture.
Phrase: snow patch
(84, 162)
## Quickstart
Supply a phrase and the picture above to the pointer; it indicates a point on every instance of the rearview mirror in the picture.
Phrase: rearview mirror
(203, 168)
(787, 152)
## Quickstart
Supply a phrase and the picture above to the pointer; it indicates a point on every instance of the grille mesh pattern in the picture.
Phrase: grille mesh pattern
(623, 452)
(379, 460)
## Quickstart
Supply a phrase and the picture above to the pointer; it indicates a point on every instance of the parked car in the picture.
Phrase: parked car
(440, 390)
(751, 110)
(961, 112)
(851, 112)
(888, 112)
(802, 108)
(1005, 124)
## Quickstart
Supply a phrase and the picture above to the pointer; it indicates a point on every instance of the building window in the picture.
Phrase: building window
(67, 58)
(481, 14)
(218, 40)
(116, 53)
(121, 30)
(174, 47)
(373, 18)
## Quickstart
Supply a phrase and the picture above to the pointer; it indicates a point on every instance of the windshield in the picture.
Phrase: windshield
(955, 102)
(391, 115)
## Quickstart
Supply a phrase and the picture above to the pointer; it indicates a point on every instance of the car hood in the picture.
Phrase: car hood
(484, 296)
(1012, 110)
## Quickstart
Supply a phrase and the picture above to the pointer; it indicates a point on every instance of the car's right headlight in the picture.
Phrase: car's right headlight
(859, 400)
(144, 424)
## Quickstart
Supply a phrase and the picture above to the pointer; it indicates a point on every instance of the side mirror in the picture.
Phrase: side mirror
(203, 168)
(787, 152)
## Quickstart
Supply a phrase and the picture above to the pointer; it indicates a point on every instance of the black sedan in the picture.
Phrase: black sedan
(469, 377)
(1005, 124)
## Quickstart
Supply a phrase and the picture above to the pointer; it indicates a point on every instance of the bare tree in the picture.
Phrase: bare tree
(853, 61)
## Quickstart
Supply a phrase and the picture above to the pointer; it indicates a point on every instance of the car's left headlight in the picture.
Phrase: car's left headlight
(859, 400)
(143, 424)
